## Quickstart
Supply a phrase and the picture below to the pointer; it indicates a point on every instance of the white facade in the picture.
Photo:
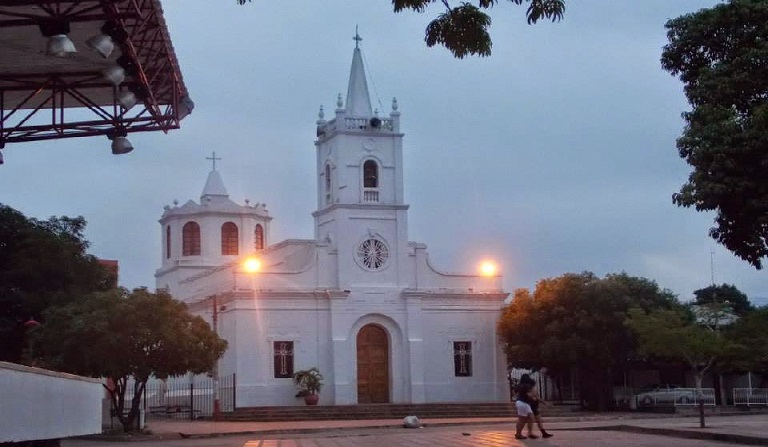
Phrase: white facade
(359, 301)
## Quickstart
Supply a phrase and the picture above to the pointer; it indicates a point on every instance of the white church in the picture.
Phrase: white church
(359, 301)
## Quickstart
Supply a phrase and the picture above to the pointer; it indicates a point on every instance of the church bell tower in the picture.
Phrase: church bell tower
(361, 214)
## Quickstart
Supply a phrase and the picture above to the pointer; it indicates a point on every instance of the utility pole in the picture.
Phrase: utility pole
(216, 403)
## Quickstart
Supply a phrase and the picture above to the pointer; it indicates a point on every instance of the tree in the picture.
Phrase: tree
(721, 56)
(676, 336)
(751, 338)
(42, 263)
(724, 294)
(576, 321)
(118, 335)
(463, 29)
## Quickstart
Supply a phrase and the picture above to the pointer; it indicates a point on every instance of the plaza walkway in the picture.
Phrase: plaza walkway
(586, 431)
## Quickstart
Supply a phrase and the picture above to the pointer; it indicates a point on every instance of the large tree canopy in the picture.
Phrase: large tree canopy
(721, 55)
(43, 263)
(724, 294)
(120, 334)
(673, 335)
(577, 321)
(463, 28)
(750, 335)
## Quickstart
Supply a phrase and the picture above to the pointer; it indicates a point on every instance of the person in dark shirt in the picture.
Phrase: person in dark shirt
(532, 398)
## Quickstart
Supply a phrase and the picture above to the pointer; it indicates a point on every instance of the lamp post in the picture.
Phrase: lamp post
(216, 403)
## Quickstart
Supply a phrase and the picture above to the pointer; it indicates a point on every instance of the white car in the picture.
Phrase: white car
(665, 394)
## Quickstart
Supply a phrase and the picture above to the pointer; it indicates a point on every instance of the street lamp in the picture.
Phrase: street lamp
(215, 373)
(488, 268)
(252, 265)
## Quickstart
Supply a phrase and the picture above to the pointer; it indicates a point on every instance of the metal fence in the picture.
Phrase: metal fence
(186, 399)
(750, 396)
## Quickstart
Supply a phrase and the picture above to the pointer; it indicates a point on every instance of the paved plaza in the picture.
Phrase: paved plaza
(589, 432)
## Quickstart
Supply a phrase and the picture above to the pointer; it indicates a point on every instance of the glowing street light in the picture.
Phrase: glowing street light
(252, 265)
(488, 268)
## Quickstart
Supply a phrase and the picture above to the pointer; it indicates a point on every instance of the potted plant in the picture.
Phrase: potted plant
(309, 382)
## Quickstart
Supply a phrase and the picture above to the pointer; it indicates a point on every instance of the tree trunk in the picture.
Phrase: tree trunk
(131, 420)
(700, 395)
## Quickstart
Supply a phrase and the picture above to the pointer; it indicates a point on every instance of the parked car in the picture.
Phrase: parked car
(665, 394)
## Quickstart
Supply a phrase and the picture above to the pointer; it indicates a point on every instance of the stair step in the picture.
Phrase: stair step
(384, 411)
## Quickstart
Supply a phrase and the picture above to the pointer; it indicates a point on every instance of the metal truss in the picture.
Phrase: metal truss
(42, 106)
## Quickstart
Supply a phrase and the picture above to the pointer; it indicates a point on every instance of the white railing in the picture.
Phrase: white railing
(370, 195)
(750, 396)
(675, 397)
(352, 124)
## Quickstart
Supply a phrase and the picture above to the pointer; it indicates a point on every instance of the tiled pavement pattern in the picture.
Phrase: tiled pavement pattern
(481, 438)
(481, 434)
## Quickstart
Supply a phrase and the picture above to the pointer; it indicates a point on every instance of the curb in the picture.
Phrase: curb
(685, 434)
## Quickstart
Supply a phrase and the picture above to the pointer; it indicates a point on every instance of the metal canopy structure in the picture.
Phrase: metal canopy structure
(46, 97)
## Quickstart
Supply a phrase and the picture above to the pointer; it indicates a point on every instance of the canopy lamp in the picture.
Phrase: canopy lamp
(104, 42)
(59, 44)
(114, 74)
(127, 99)
(120, 144)
(186, 106)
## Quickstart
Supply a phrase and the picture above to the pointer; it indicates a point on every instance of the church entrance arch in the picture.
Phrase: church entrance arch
(372, 365)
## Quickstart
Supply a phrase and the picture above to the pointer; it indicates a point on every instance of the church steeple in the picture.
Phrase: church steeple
(214, 186)
(358, 100)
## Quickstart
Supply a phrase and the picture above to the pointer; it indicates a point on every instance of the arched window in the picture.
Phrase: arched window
(190, 243)
(258, 237)
(370, 174)
(168, 242)
(327, 183)
(229, 240)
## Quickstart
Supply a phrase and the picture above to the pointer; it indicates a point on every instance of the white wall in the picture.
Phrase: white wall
(37, 404)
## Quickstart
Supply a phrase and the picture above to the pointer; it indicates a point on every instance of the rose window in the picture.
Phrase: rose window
(372, 254)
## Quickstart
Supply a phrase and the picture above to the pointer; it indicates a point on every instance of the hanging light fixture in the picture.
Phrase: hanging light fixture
(120, 143)
(127, 99)
(114, 74)
(186, 106)
(104, 42)
(56, 31)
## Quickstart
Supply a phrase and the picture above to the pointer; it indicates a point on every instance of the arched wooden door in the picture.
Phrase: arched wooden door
(372, 365)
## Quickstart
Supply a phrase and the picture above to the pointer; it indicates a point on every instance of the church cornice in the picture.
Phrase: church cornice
(207, 212)
(229, 297)
(494, 295)
(359, 206)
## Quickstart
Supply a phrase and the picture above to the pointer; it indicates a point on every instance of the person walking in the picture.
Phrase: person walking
(524, 410)
(533, 400)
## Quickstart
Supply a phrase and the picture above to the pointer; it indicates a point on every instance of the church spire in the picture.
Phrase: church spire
(214, 186)
(358, 100)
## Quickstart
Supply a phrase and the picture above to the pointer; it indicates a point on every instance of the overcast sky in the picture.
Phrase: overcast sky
(556, 154)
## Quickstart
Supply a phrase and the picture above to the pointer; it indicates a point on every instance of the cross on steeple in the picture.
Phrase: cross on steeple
(213, 158)
(357, 38)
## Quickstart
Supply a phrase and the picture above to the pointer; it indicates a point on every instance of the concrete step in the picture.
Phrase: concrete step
(386, 411)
